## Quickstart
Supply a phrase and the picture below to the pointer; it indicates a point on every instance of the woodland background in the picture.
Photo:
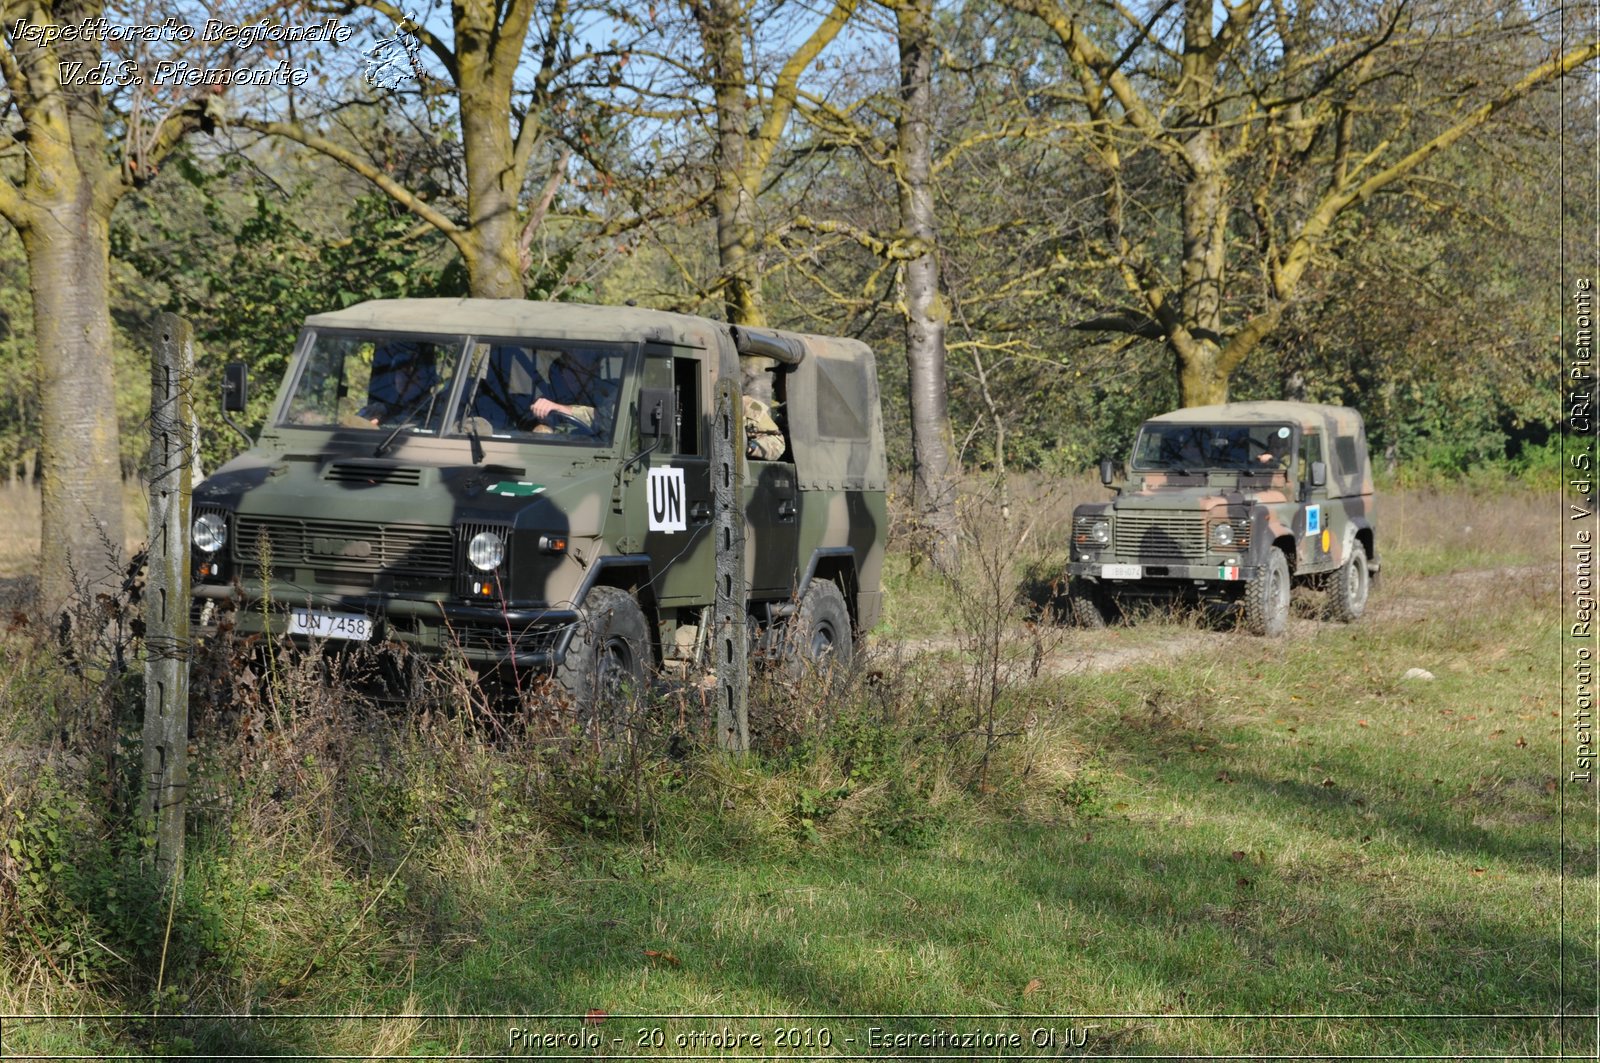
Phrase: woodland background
(1052, 218)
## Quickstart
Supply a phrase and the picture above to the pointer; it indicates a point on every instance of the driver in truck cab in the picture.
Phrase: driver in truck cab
(536, 389)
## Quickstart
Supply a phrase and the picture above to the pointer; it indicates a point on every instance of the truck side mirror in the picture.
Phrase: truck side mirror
(657, 413)
(1319, 474)
(235, 387)
(1108, 471)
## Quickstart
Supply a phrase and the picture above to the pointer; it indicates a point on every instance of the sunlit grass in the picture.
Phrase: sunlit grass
(1238, 827)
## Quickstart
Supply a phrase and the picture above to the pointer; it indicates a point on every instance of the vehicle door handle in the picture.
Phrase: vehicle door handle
(700, 512)
(786, 509)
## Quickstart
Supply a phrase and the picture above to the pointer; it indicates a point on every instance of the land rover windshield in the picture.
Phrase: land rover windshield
(520, 390)
(1202, 448)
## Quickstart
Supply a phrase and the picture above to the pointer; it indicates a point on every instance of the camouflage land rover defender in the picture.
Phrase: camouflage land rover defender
(1232, 504)
(530, 484)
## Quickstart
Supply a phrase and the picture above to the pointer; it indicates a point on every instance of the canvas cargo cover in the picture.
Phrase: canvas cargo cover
(512, 318)
(834, 420)
(1344, 435)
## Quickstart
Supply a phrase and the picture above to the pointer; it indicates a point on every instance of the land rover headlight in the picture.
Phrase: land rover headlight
(209, 532)
(486, 550)
(1222, 534)
(1091, 532)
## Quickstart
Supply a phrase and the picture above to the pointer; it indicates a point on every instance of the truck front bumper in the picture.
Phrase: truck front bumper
(483, 634)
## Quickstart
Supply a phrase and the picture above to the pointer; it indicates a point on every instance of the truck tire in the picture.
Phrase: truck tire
(604, 669)
(1088, 602)
(1347, 590)
(1266, 597)
(818, 636)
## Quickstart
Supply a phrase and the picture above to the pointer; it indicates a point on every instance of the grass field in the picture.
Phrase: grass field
(1243, 848)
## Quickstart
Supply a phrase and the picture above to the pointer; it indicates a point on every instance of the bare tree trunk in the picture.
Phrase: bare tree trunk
(493, 255)
(492, 249)
(68, 251)
(733, 200)
(927, 312)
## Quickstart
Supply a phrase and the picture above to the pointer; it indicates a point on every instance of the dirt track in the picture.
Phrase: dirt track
(1048, 649)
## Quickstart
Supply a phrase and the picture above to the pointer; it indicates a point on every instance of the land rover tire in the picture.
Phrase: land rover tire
(1347, 590)
(818, 636)
(604, 667)
(1266, 597)
(1088, 604)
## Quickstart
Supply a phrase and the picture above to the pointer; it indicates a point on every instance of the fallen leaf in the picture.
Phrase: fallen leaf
(665, 957)
(1243, 883)
(1327, 783)
(1237, 854)
(1033, 986)
(1522, 743)
(1361, 723)
(595, 1016)
(1478, 870)
(1223, 776)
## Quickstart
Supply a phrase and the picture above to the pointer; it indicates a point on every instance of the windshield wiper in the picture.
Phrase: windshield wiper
(407, 419)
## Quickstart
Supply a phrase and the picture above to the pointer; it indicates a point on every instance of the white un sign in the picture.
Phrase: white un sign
(666, 500)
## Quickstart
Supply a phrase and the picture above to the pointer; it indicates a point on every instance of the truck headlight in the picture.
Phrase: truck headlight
(1222, 535)
(209, 532)
(486, 550)
(1100, 532)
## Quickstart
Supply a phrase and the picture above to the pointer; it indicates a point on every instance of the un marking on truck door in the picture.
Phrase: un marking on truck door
(667, 509)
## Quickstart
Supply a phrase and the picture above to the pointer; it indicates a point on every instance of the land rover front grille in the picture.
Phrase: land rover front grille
(1168, 535)
(349, 546)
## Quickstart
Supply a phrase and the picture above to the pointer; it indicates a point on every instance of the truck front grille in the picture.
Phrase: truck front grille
(346, 546)
(1158, 534)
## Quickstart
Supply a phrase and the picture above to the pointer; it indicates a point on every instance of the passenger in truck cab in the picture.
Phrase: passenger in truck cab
(403, 376)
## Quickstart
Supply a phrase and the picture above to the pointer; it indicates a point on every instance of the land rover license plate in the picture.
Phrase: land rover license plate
(1120, 572)
(325, 625)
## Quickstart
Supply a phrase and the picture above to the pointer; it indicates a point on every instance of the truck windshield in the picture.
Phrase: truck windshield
(544, 391)
(1196, 448)
(378, 382)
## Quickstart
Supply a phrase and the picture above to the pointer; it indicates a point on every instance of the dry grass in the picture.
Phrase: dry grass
(19, 525)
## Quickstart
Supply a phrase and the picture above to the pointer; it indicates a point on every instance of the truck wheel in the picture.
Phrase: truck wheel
(818, 635)
(1088, 602)
(604, 668)
(1266, 597)
(1347, 590)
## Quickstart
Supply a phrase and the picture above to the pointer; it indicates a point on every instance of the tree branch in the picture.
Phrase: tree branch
(356, 164)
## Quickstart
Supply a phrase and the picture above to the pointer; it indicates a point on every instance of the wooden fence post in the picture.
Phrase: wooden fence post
(166, 684)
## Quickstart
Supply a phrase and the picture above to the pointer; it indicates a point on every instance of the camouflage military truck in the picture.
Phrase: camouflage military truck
(1232, 505)
(531, 484)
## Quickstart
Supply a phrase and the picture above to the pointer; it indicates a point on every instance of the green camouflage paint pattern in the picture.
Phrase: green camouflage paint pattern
(385, 536)
(1272, 510)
